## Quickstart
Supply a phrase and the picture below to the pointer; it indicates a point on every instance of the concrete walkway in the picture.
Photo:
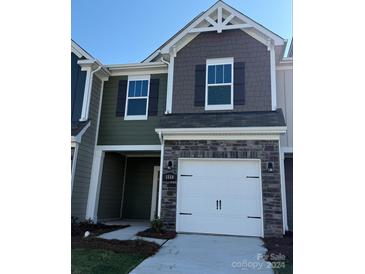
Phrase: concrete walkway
(208, 254)
(129, 233)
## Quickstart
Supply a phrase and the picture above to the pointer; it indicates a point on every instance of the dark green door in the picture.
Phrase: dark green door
(138, 187)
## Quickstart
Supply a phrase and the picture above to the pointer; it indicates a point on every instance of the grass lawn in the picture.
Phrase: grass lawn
(98, 261)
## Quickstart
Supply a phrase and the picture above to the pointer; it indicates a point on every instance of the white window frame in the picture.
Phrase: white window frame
(137, 78)
(219, 61)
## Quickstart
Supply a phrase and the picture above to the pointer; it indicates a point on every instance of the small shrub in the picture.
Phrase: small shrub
(157, 225)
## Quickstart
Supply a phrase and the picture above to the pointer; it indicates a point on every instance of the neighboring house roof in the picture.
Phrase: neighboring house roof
(232, 119)
(290, 52)
(79, 51)
(77, 127)
(205, 22)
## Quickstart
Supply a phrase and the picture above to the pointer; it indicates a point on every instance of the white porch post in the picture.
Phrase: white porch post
(160, 184)
(283, 191)
(94, 189)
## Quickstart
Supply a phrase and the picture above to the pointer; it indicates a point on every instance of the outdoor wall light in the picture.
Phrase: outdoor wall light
(169, 165)
(270, 167)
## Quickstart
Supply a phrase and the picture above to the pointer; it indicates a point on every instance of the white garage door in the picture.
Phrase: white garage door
(220, 196)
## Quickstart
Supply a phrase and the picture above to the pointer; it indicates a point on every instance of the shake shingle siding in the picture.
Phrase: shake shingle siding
(85, 156)
(233, 43)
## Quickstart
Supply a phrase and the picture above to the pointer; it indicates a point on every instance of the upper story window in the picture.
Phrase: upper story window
(219, 84)
(137, 98)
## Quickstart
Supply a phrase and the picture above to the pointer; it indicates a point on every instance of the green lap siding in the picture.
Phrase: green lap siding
(138, 187)
(115, 130)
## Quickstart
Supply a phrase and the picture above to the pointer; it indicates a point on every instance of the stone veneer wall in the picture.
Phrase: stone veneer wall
(266, 150)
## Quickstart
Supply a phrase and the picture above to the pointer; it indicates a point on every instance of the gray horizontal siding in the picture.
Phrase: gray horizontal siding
(85, 156)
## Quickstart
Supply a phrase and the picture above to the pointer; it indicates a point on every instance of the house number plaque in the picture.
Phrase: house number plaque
(169, 177)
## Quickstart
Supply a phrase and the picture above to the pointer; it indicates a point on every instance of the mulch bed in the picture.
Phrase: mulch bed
(150, 233)
(79, 229)
(137, 247)
(282, 246)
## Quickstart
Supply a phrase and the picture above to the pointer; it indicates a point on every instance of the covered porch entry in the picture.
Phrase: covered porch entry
(127, 186)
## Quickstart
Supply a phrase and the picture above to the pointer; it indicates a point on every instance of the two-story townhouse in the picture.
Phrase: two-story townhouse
(192, 134)
(87, 78)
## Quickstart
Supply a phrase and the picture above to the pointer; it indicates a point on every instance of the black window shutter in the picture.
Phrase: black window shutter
(122, 94)
(239, 83)
(153, 97)
(200, 71)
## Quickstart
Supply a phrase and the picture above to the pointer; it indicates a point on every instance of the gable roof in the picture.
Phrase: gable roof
(218, 17)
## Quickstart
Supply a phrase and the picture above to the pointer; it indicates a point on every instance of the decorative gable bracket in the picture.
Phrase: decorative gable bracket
(218, 20)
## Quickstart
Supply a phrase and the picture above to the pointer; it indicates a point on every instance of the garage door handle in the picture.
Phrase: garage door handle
(253, 217)
(220, 204)
(256, 177)
(216, 202)
(183, 213)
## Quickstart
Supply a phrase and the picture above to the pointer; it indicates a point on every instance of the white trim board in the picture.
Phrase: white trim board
(226, 130)
(283, 191)
(156, 169)
(223, 137)
(138, 69)
(73, 168)
(128, 147)
(79, 51)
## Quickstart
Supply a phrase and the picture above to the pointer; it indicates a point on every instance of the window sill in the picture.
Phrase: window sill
(136, 117)
(219, 107)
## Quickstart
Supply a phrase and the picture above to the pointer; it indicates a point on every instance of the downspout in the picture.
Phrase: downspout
(170, 80)
(85, 115)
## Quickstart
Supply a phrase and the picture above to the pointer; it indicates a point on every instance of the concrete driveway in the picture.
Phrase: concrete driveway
(189, 254)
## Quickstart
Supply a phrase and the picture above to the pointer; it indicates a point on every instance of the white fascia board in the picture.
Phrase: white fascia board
(285, 64)
(85, 65)
(80, 52)
(223, 137)
(137, 69)
(222, 130)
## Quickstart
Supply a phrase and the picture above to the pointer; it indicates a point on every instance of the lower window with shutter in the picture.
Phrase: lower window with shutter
(137, 98)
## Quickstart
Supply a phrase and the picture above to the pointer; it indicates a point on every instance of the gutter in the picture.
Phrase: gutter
(223, 130)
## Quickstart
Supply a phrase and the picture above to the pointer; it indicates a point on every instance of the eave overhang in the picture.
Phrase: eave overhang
(222, 133)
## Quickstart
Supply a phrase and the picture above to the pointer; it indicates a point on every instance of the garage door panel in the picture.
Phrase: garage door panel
(235, 183)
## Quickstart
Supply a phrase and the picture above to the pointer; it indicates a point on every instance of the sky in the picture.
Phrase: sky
(127, 31)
